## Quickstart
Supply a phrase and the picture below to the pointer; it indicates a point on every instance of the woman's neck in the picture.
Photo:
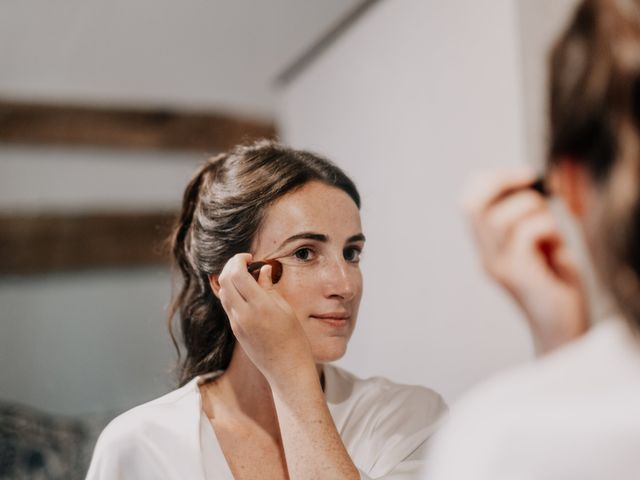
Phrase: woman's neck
(242, 391)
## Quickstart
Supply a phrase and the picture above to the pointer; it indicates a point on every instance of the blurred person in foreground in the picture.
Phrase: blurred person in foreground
(575, 412)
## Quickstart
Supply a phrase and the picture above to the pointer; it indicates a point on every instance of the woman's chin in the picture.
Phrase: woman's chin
(330, 350)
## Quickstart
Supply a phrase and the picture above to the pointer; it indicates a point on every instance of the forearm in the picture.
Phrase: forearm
(554, 322)
(313, 448)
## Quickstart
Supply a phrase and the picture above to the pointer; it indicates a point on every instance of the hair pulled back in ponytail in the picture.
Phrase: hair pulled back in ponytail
(222, 211)
(595, 120)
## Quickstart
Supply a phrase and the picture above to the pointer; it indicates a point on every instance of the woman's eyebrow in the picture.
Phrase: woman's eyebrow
(356, 238)
(318, 237)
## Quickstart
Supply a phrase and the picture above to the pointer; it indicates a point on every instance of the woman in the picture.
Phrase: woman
(575, 413)
(258, 397)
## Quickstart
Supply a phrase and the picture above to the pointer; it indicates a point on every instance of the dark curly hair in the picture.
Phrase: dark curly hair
(595, 119)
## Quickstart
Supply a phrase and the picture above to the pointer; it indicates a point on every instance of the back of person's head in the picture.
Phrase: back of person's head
(222, 211)
(595, 120)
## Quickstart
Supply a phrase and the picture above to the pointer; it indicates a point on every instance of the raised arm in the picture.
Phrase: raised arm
(521, 248)
(271, 335)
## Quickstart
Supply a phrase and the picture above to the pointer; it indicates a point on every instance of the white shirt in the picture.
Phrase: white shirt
(574, 414)
(384, 426)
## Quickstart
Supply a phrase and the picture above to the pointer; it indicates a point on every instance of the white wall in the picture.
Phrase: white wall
(415, 97)
(84, 179)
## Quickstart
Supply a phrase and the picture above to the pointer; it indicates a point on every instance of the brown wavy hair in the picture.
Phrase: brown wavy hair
(222, 211)
(595, 119)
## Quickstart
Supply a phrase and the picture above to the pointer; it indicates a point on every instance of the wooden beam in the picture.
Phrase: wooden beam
(35, 123)
(49, 243)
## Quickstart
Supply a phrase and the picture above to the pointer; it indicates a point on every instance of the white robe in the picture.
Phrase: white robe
(384, 426)
(573, 414)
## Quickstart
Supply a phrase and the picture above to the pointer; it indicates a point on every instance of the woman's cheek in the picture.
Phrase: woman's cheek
(294, 287)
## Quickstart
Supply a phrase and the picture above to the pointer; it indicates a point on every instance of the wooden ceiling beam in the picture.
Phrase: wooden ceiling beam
(36, 123)
(47, 243)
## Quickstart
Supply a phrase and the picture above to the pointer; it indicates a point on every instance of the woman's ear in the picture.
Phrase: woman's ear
(215, 284)
(571, 182)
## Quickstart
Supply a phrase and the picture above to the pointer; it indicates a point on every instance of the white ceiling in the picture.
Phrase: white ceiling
(220, 54)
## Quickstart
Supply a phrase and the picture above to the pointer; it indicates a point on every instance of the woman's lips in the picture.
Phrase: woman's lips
(333, 319)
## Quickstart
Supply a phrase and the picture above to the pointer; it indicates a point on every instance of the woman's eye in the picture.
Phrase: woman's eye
(352, 254)
(304, 254)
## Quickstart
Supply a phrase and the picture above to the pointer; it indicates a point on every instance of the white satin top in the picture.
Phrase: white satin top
(573, 414)
(384, 426)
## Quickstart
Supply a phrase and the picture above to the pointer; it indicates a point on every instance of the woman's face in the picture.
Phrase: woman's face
(316, 234)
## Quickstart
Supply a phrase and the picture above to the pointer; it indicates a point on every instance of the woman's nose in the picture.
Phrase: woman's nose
(340, 281)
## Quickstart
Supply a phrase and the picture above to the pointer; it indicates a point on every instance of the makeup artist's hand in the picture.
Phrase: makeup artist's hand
(264, 324)
(521, 248)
